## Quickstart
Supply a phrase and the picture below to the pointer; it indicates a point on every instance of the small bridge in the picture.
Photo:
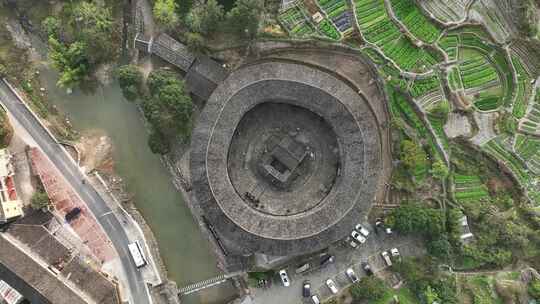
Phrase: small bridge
(207, 283)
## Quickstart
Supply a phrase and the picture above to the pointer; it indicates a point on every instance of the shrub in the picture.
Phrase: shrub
(368, 288)
(39, 200)
(534, 289)
(130, 81)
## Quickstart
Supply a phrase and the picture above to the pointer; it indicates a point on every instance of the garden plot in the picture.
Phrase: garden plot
(493, 14)
(469, 187)
(450, 46)
(419, 25)
(339, 12)
(531, 122)
(446, 10)
(480, 80)
(523, 90)
(298, 22)
(426, 92)
(514, 164)
(377, 28)
(528, 149)
(294, 19)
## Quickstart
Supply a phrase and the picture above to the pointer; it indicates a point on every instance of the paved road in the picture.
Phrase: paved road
(138, 289)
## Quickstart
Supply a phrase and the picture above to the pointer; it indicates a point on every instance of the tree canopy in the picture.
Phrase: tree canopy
(415, 218)
(71, 61)
(412, 154)
(243, 18)
(169, 109)
(130, 80)
(165, 12)
(205, 18)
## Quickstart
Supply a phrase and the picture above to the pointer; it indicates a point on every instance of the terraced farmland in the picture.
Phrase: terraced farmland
(450, 45)
(339, 12)
(407, 47)
(531, 122)
(528, 149)
(377, 28)
(469, 188)
(480, 80)
(297, 21)
(524, 88)
(418, 24)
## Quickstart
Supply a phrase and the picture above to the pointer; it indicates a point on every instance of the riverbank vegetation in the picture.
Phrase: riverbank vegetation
(166, 104)
(81, 36)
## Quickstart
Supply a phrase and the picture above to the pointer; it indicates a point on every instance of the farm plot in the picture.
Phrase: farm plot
(297, 23)
(377, 28)
(410, 15)
(393, 77)
(523, 90)
(513, 163)
(469, 188)
(425, 85)
(528, 149)
(531, 122)
(454, 79)
(474, 40)
(339, 12)
(444, 10)
(450, 46)
(480, 79)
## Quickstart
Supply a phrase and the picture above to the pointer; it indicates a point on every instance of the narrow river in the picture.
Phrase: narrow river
(185, 252)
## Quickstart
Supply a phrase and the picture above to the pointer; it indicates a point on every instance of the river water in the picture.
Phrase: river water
(185, 252)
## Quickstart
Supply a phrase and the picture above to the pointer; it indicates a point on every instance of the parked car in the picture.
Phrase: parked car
(362, 230)
(353, 243)
(367, 269)
(332, 286)
(302, 268)
(306, 289)
(395, 253)
(327, 260)
(388, 230)
(315, 299)
(357, 236)
(284, 278)
(72, 214)
(386, 258)
(352, 276)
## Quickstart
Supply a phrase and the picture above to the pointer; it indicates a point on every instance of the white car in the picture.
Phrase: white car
(332, 286)
(395, 254)
(388, 230)
(315, 299)
(284, 278)
(352, 276)
(357, 236)
(386, 258)
(362, 230)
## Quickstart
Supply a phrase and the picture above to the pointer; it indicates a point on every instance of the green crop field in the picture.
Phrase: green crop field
(469, 187)
(424, 86)
(450, 45)
(377, 28)
(418, 24)
(523, 89)
(328, 29)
